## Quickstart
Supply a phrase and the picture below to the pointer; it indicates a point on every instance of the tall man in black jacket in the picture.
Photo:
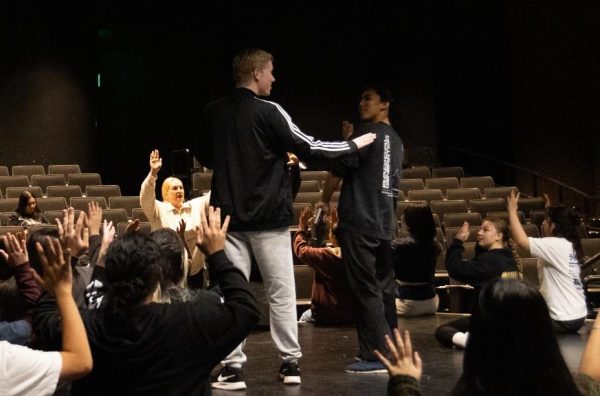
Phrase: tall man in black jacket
(245, 140)
(366, 225)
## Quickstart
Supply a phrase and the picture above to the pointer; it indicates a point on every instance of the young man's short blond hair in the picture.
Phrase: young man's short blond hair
(247, 61)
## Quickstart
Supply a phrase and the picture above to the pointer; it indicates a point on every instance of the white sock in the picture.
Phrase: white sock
(460, 339)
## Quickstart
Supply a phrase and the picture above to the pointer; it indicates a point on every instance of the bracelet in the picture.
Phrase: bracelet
(595, 327)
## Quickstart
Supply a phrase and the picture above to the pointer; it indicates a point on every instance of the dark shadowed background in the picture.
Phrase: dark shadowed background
(101, 84)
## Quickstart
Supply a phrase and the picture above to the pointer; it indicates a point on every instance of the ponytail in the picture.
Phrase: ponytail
(566, 225)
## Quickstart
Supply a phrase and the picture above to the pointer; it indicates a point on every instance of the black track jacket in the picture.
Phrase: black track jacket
(244, 139)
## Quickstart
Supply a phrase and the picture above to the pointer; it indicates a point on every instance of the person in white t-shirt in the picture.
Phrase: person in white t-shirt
(562, 254)
(25, 371)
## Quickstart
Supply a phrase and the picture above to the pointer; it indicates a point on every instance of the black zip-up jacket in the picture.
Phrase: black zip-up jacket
(245, 140)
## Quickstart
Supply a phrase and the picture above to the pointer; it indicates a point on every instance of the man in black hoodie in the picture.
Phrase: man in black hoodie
(366, 225)
(245, 140)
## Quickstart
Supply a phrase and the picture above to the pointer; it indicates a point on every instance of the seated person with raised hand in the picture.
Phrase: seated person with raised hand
(142, 347)
(330, 297)
(74, 236)
(562, 255)
(27, 212)
(30, 372)
(494, 257)
(173, 209)
(15, 309)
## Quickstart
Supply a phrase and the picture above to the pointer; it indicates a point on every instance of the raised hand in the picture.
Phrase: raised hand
(210, 235)
(94, 217)
(347, 129)
(72, 234)
(108, 235)
(132, 227)
(463, 233)
(16, 252)
(324, 206)
(333, 217)
(403, 360)
(364, 140)
(57, 277)
(547, 200)
(305, 216)
(181, 229)
(155, 162)
(512, 201)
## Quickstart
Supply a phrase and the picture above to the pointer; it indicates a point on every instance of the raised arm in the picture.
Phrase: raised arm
(74, 235)
(148, 189)
(404, 366)
(517, 231)
(17, 258)
(94, 222)
(57, 279)
(294, 140)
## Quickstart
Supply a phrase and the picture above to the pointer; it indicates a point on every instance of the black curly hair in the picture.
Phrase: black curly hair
(132, 273)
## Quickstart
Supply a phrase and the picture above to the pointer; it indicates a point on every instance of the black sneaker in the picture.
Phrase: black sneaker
(289, 373)
(228, 378)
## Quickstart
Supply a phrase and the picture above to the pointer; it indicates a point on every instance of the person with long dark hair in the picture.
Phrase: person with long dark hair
(414, 259)
(504, 356)
(27, 212)
(562, 255)
(494, 257)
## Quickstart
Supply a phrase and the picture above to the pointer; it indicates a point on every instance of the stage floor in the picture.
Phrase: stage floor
(327, 350)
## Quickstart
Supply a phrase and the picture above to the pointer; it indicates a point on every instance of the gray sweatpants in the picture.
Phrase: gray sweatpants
(273, 253)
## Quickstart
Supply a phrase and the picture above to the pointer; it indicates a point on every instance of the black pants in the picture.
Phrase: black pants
(567, 326)
(368, 266)
(444, 333)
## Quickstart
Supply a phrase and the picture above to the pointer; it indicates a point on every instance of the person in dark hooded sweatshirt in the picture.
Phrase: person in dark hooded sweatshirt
(494, 258)
(141, 347)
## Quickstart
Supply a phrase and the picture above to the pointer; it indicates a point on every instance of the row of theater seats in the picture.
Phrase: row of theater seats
(445, 177)
(64, 185)
(43, 184)
(30, 170)
(118, 209)
(120, 227)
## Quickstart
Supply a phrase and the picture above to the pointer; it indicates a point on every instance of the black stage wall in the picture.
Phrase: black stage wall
(496, 77)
